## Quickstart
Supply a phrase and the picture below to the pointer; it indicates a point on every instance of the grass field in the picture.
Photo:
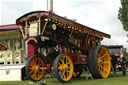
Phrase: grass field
(118, 80)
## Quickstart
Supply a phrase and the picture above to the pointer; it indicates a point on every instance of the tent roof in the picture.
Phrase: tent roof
(9, 27)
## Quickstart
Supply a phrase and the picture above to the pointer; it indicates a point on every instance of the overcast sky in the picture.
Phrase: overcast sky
(97, 14)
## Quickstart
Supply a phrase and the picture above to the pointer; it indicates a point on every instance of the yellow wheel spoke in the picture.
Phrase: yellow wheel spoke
(106, 62)
(98, 56)
(62, 61)
(67, 64)
(104, 69)
(63, 76)
(60, 67)
(35, 60)
(59, 72)
(67, 72)
(66, 61)
(59, 63)
(104, 55)
(98, 60)
(64, 58)
(38, 73)
(34, 74)
(39, 62)
(63, 73)
(101, 52)
(68, 68)
(99, 65)
(41, 72)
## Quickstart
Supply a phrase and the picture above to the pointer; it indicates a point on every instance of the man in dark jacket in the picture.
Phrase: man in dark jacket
(123, 63)
(114, 61)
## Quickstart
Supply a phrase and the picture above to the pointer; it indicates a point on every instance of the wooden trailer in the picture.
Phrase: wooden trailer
(56, 43)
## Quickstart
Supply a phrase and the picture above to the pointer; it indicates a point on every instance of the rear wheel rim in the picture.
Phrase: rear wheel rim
(65, 68)
(35, 70)
(104, 62)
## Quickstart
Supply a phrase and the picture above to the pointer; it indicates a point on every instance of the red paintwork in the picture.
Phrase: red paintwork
(83, 46)
(32, 48)
(83, 59)
(62, 49)
(79, 59)
(75, 58)
(65, 50)
(49, 67)
(9, 27)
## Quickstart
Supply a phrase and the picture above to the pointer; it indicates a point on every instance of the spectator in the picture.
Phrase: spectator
(123, 63)
(113, 61)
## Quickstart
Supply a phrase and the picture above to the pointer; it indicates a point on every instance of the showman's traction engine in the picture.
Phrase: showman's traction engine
(54, 43)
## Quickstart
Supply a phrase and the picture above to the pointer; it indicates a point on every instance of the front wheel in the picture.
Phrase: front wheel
(34, 69)
(63, 67)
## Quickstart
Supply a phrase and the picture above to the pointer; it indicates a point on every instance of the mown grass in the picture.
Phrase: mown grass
(118, 80)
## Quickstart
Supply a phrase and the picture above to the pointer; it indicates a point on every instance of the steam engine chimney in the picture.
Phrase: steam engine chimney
(50, 5)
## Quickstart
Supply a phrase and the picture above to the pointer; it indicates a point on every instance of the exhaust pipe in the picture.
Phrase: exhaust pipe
(50, 5)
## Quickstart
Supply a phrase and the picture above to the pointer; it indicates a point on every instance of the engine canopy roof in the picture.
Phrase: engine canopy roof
(58, 20)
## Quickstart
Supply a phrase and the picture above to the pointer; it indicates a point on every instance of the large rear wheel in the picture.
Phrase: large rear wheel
(63, 67)
(99, 62)
(33, 68)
